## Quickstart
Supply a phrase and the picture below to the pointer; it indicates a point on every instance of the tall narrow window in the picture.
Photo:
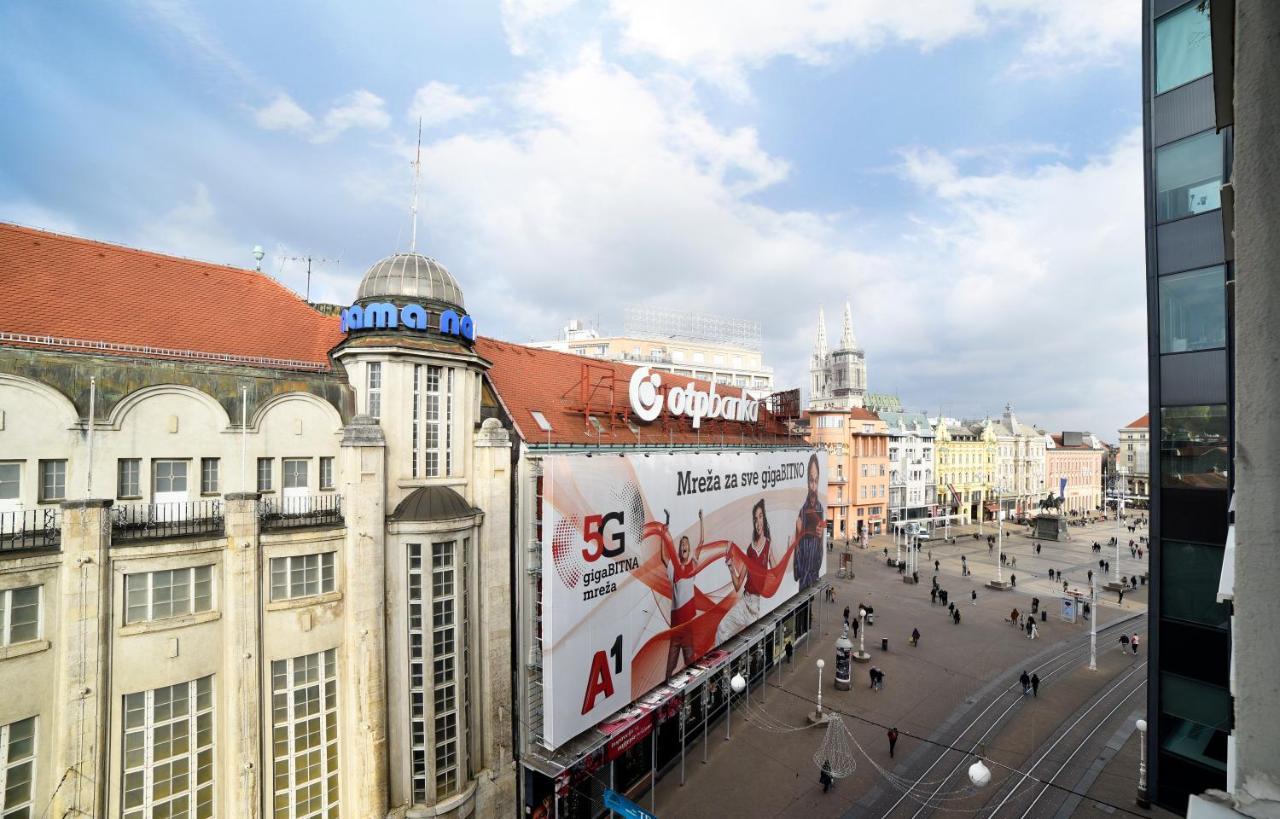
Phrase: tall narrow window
(417, 678)
(304, 736)
(1189, 176)
(326, 472)
(18, 768)
(208, 476)
(374, 391)
(1183, 48)
(431, 419)
(10, 482)
(414, 454)
(168, 751)
(19, 615)
(264, 474)
(448, 423)
(1193, 311)
(444, 667)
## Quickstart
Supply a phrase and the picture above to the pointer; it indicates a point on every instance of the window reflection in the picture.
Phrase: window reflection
(1193, 447)
(1189, 176)
(1193, 311)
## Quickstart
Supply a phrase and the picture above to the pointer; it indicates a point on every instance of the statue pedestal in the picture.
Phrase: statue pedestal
(1050, 527)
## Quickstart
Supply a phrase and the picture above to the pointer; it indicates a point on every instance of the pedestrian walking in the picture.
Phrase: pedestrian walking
(1013, 616)
(1064, 586)
(790, 650)
(871, 674)
(955, 617)
(915, 636)
(1030, 622)
(1120, 599)
(1035, 630)
(1013, 580)
(1133, 582)
(973, 597)
(1025, 679)
(1124, 643)
(824, 778)
(1035, 685)
(846, 615)
(855, 628)
(1133, 642)
(1037, 548)
(893, 740)
(933, 595)
(937, 564)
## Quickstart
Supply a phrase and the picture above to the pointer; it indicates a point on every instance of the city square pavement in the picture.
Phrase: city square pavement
(933, 690)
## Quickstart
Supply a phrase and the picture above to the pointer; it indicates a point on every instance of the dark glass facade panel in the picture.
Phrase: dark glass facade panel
(1189, 176)
(1183, 51)
(1195, 652)
(1196, 717)
(1193, 311)
(1189, 583)
(1194, 451)
(1196, 515)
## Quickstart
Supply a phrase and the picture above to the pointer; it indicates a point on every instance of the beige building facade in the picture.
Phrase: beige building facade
(1073, 466)
(1133, 460)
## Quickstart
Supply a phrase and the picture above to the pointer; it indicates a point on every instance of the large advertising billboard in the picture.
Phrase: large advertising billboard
(650, 560)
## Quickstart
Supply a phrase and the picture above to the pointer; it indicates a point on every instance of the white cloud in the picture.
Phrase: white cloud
(283, 114)
(359, 109)
(437, 103)
(722, 40)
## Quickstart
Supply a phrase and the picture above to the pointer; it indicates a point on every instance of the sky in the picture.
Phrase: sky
(965, 173)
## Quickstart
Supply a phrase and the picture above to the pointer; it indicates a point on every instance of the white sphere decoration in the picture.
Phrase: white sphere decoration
(862, 612)
(738, 683)
(821, 663)
(979, 774)
(1142, 725)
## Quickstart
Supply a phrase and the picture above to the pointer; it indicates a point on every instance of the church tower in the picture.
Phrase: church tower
(848, 367)
(818, 365)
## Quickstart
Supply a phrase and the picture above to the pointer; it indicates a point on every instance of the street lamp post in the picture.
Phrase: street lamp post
(1093, 624)
(821, 663)
(861, 654)
(1000, 548)
(1142, 800)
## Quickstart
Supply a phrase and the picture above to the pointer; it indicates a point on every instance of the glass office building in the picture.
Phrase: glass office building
(1189, 288)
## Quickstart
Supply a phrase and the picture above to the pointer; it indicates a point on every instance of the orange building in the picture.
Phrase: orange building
(857, 443)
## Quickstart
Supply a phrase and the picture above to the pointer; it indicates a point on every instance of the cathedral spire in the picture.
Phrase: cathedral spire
(821, 347)
(847, 341)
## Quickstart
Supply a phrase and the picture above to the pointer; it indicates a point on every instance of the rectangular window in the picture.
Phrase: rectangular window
(10, 481)
(1189, 176)
(431, 419)
(444, 667)
(1183, 48)
(19, 615)
(326, 472)
(417, 676)
(168, 751)
(1193, 311)
(53, 481)
(18, 768)
(304, 736)
(1193, 447)
(374, 391)
(448, 422)
(414, 455)
(169, 593)
(302, 575)
(129, 478)
(1195, 719)
(1189, 584)
(295, 473)
(170, 477)
(208, 476)
(264, 474)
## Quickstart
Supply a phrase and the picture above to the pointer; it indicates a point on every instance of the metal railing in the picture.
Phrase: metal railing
(299, 512)
(150, 521)
(30, 529)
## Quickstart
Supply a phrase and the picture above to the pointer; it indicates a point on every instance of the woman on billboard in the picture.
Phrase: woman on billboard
(682, 570)
(810, 523)
(748, 574)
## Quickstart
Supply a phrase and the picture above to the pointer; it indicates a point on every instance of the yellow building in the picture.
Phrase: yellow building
(966, 462)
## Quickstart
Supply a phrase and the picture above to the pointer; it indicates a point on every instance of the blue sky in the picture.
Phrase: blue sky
(966, 172)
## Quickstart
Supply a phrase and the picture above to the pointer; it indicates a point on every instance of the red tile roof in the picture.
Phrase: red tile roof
(530, 380)
(70, 288)
(1141, 423)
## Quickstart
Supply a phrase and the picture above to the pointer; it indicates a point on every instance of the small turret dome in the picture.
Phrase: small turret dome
(413, 276)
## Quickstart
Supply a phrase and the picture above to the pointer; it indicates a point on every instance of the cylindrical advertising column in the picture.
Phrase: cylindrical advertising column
(844, 653)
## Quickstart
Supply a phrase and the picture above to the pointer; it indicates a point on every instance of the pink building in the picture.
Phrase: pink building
(1075, 457)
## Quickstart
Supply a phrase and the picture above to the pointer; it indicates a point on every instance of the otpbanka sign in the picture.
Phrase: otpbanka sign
(689, 401)
(383, 315)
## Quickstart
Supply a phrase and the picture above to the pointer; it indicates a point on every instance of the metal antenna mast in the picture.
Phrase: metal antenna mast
(309, 259)
(417, 168)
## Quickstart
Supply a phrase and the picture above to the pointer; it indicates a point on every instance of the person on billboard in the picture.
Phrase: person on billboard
(748, 575)
(809, 523)
(682, 571)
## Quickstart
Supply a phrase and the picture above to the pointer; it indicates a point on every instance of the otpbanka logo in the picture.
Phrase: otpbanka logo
(689, 401)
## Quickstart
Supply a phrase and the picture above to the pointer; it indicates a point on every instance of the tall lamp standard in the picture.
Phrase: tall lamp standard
(821, 664)
(1142, 800)
(1093, 624)
(998, 583)
(861, 655)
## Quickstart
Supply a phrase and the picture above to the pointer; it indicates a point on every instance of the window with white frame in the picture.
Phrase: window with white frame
(53, 481)
(431, 421)
(304, 736)
(169, 480)
(168, 593)
(18, 768)
(19, 615)
(444, 667)
(302, 575)
(168, 751)
(295, 478)
(10, 481)
(208, 476)
(448, 422)
(129, 478)
(415, 418)
(264, 474)
(326, 472)
(417, 677)
(374, 390)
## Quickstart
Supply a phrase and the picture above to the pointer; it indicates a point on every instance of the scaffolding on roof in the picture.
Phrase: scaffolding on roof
(653, 322)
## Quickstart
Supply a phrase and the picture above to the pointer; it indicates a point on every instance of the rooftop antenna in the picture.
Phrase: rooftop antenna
(417, 168)
(309, 259)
